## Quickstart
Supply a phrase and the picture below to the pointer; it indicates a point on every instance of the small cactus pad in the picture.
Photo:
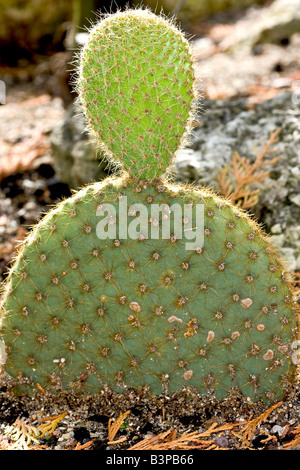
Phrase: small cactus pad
(136, 88)
(86, 312)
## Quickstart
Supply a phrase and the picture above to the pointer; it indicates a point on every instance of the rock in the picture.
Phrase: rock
(275, 23)
(288, 257)
(76, 161)
(276, 229)
(295, 198)
(279, 21)
(276, 429)
(229, 126)
(190, 164)
(189, 10)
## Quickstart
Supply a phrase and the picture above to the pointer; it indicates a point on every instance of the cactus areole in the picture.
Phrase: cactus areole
(135, 281)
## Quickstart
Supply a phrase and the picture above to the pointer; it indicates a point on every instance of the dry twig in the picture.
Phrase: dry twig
(191, 440)
(114, 428)
(85, 446)
(49, 427)
(207, 440)
(24, 435)
(296, 441)
(247, 432)
(235, 179)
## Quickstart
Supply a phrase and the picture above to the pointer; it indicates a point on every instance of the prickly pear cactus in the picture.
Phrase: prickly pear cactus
(135, 281)
(136, 84)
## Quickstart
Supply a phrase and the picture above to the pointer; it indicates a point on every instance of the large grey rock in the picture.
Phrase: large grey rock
(271, 24)
(280, 21)
(229, 126)
(76, 160)
(193, 10)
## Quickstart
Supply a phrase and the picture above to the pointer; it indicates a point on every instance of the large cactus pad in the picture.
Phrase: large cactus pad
(86, 312)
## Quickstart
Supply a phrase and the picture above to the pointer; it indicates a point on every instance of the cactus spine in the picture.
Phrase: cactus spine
(82, 311)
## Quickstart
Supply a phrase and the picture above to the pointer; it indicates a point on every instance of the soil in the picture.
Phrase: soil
(29, 186)
(87, 419)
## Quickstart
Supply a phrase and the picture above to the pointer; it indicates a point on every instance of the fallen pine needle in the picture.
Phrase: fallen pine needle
(249, 429)
(236, 178)
(118, 441)
(48, 428)
(40, 388)
(147, 443)
(295, 441)
(24, 435)
(206, 440)
(192, 440)
(114, 427)
(84, 446)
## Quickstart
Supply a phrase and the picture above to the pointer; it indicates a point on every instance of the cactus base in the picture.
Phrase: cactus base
(129, 312)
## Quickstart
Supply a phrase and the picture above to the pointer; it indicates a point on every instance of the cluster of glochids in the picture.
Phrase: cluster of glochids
(82, 310)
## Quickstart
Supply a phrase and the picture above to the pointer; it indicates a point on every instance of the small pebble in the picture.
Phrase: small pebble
(66, 436)
(222, 441)
(277, 430)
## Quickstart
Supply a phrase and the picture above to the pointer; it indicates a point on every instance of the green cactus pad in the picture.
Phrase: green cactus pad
(86, 312)
(136, 88)
(134, 283)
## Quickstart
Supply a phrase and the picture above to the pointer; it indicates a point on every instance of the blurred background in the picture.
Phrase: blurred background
(246, 141)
